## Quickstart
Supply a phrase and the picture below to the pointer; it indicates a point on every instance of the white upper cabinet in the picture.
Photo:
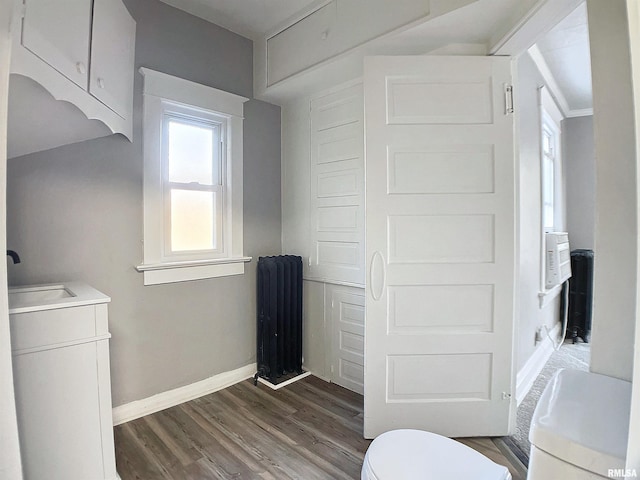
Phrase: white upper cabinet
(112, 55)
(334, 28)
(59, 32)
(303, 44)
(82, 52)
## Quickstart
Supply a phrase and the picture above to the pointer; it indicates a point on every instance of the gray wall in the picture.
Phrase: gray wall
(76, 212)
(529, 314)
(580, 176)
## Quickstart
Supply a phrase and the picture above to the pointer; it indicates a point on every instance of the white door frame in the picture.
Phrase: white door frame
(633, 446)
(10, 466)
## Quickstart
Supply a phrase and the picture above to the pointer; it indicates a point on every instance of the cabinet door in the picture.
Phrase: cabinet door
(337, 186)
(347, 337)
(58, 32)
(302, 45)
(58, 404)
(112, 56)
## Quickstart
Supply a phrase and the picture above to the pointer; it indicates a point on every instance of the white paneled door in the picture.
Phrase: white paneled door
(440, 245)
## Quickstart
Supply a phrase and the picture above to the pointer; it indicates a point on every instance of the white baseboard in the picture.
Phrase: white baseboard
(146, 406)
(528, 374)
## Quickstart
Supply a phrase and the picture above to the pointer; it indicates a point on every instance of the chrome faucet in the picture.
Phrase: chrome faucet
(14, 256)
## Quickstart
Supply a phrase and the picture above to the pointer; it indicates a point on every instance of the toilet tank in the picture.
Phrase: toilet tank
(582, 419)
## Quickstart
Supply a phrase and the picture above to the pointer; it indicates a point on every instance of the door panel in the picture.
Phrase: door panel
(346, 307)
(440, 245)
(112, 56)
(59, 32)
(337, 186)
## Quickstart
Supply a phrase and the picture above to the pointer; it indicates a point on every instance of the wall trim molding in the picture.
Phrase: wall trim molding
(146, 406)
(530, 371)
(549, 80)
(584, 112)
(333, 282)
(554, 88)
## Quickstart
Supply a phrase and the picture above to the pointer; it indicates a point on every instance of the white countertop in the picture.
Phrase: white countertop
(34, 298)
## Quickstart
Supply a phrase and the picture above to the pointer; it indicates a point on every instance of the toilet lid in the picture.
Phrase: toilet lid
(419, 455)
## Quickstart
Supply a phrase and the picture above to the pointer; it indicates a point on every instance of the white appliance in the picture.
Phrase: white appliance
(580, 427)
(557, 258)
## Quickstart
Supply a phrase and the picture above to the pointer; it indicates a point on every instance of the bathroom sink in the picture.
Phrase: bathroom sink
(31, 295)
(47, 297)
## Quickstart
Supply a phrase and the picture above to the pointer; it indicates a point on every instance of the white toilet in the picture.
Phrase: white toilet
(419, 455)
(580, 427)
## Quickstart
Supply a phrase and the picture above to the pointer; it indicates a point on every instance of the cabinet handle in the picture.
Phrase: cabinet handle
(81, 68)
(101, 82)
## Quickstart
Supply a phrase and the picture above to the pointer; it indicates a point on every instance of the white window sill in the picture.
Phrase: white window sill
(171, 272)
(548, 295)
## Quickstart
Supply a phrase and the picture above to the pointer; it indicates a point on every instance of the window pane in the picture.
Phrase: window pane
(547, 212)
(548, 189)
(192, 220)
(192, 153)
(546, 142)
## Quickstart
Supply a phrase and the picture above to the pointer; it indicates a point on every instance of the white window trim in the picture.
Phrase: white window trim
(157, 269)
(549, 109)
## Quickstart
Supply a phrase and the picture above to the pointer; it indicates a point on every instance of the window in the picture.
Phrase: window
(551, 191)
(192, 181)
(548, 175)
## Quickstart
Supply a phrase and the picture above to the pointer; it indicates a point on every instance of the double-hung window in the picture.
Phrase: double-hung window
(192, 181)
(551, 181)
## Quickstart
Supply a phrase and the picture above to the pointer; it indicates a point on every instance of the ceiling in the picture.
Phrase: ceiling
(249, 18)
(477, 23)
(255, 18)
(565, 51)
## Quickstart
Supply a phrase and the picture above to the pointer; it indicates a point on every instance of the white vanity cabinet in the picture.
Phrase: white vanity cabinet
(82, 52)
(60, 348)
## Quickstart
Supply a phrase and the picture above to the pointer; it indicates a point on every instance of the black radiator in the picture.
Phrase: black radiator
(580, 295)
(279, 312)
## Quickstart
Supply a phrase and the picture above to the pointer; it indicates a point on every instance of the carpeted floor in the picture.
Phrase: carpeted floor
(571, 355)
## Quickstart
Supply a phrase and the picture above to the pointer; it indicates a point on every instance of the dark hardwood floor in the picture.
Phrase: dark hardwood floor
(308, 430)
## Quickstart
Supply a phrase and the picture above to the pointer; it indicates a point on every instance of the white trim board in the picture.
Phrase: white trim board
(535, 23)
(146, 406)
(530, 371)
(283, 384)
(554, 88)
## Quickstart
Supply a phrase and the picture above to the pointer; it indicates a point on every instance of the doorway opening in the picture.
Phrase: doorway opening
(559, 64)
